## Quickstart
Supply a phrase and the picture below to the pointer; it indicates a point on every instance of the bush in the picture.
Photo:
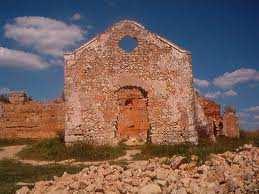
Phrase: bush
(47, 149)
(202, 150)
(55, 149)
(82, 151)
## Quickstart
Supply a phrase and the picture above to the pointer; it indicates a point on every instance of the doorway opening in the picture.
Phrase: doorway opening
(133, 114)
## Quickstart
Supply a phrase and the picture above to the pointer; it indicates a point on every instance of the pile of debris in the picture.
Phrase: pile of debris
(230, 172)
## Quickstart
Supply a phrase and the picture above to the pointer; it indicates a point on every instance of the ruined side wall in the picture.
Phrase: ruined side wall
(231, 125)
(208, 117)
(31, 119)
(211, 109)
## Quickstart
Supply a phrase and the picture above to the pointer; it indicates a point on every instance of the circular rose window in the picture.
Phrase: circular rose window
(128, 43)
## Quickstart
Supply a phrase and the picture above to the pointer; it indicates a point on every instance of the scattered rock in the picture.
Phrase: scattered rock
(177, 161)
(150, 189)
(230, 172)
(24, 184)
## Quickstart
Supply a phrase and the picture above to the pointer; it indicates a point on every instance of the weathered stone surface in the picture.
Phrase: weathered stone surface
(230, 172)
(151, 189)
(111, 94)
(30, 119)
(230, 124)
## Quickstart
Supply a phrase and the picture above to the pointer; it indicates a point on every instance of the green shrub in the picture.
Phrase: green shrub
(55, 149)
(82, 151)
(47, 149)
(202, 150)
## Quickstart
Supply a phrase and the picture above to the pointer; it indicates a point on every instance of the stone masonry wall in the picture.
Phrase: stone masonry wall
(31, 119)
(95, 71)
(208, 117)
(230, 124)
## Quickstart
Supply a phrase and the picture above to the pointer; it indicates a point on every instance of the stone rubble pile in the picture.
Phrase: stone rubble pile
(230, 172)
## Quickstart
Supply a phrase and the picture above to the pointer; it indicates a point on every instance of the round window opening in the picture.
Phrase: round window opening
(128, 43)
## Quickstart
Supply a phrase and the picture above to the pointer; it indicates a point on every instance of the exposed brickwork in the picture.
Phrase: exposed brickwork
(95, 71)
(209, 119)
(211, 109)
(230, 124)
(30, 119)
(210, 122)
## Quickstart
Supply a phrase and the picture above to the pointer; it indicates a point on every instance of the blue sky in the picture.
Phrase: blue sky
(223, 37)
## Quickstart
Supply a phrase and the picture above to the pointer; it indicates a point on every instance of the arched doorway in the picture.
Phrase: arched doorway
(133, 115)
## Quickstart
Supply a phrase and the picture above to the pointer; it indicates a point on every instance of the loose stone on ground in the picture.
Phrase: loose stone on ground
(230, 172)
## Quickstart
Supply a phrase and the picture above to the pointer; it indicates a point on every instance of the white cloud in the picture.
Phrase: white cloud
(219, 94)
(201, 83)
(227, 80)
(213, 95)
(243, 115)
(16, 58)
(230, 93)
(45, 35)
(253, 109)
(76, 17)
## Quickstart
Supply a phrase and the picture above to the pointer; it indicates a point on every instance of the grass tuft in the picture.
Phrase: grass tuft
(13, 171)
(55, 149)
(202, 150)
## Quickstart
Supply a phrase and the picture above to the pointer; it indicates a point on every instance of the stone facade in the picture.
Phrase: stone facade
(23, 118)
(112, 94)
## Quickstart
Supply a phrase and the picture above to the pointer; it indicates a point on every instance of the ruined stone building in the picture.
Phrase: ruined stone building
(141, 91)
(144, 93)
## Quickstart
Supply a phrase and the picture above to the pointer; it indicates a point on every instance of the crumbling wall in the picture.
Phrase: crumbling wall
(208, 117)
(230, 123)
(30, 119)
(209, 121)
(17, 97)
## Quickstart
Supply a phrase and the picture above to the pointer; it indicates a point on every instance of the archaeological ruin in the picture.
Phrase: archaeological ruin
(126, 84)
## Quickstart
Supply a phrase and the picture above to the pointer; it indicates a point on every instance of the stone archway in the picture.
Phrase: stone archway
(132, 120)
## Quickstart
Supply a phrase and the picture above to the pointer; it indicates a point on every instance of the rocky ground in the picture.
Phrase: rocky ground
(230, 172)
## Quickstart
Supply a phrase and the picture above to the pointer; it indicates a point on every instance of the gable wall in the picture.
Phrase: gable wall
(94, 72)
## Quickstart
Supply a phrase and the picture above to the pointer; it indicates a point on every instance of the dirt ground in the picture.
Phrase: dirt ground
(9, 152)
